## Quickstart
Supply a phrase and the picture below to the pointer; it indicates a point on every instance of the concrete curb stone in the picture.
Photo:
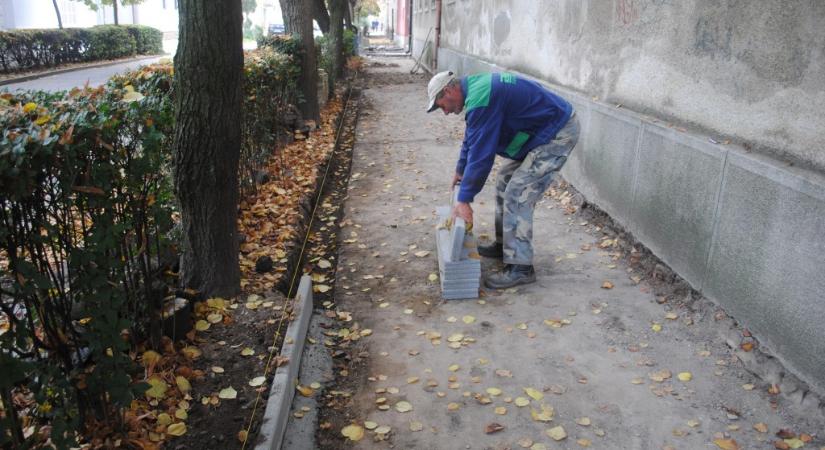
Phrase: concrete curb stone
(282, 390)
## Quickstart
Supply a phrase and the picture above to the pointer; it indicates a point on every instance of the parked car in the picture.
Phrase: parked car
(275, 28)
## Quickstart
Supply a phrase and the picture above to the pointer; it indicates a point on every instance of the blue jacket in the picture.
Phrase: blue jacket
(507, 116)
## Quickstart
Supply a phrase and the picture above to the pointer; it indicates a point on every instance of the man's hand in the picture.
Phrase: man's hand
(464, 211)
(456, 179)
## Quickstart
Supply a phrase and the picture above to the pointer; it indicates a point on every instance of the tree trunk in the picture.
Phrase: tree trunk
(348, 15)
(336, 16)
(57, 11)
(208, 76)
(114, 6)
(321, 15)
(298, 21)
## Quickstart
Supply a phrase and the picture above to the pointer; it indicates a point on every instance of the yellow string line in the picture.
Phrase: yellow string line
(298, 267)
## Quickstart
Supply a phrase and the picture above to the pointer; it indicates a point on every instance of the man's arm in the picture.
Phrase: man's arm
(480, 141)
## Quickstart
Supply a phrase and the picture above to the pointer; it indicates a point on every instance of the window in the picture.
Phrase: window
(68, 13)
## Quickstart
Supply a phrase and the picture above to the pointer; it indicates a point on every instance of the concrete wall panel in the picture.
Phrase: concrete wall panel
(609, 156)
(767, 264)
(675, 201)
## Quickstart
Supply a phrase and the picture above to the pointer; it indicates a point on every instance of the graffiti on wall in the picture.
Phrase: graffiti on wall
(713, 38)
(626, 11)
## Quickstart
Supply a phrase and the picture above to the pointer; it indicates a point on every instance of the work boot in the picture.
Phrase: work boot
(511, 275)
(494, 250)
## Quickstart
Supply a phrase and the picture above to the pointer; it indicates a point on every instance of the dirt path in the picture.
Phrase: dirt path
(602, 364)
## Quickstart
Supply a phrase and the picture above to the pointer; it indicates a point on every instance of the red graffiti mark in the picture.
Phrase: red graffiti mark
(626, 11)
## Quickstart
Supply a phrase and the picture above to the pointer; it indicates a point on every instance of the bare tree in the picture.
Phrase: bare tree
(298, 22)
(57, 11)
(208, 76)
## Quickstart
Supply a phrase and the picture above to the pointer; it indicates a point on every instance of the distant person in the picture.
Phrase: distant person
(533, 129)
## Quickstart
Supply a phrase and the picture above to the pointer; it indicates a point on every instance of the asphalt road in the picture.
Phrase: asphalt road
(65, 81)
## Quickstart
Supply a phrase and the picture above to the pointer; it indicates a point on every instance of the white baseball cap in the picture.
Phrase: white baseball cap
(437, 83)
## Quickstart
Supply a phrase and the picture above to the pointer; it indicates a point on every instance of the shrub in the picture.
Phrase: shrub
(148, 40)
(111, 42)
(270, 88)
(85, 220)
(29, 49)
(284, 44)
(83, 223)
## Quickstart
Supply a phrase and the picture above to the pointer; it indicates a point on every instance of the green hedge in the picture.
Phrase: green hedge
(86, 234)
(36, 48)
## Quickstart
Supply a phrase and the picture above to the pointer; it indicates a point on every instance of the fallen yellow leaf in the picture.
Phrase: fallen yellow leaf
(157, 388)
(150, 357)
(214, 318)
(183, 384)
(164, 419)
(306, 391)
(535, 394)
(403, 406)
(522, 401)
(546, 414)
(685, 376)
(557, 433)
(726, 444)
(353, 432)
(176, 429)
(228, 393)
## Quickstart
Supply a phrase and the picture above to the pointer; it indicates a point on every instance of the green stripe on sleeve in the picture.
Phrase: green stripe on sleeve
(516, 144)
(478, 91)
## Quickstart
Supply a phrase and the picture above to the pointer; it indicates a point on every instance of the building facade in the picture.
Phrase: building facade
(16, 14)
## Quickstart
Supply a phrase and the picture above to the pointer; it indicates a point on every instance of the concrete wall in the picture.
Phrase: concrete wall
(423, 30)
(752, 71)
(745, 227)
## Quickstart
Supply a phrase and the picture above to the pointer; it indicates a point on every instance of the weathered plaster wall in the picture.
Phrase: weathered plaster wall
(423, 29)
(750, 71)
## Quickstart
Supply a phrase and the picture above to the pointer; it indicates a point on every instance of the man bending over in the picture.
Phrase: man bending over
(533, 129)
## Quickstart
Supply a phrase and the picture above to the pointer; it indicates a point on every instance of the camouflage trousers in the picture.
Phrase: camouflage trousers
(520, 185)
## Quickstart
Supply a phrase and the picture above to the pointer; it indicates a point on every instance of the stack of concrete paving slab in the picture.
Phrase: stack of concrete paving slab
(459, 264)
